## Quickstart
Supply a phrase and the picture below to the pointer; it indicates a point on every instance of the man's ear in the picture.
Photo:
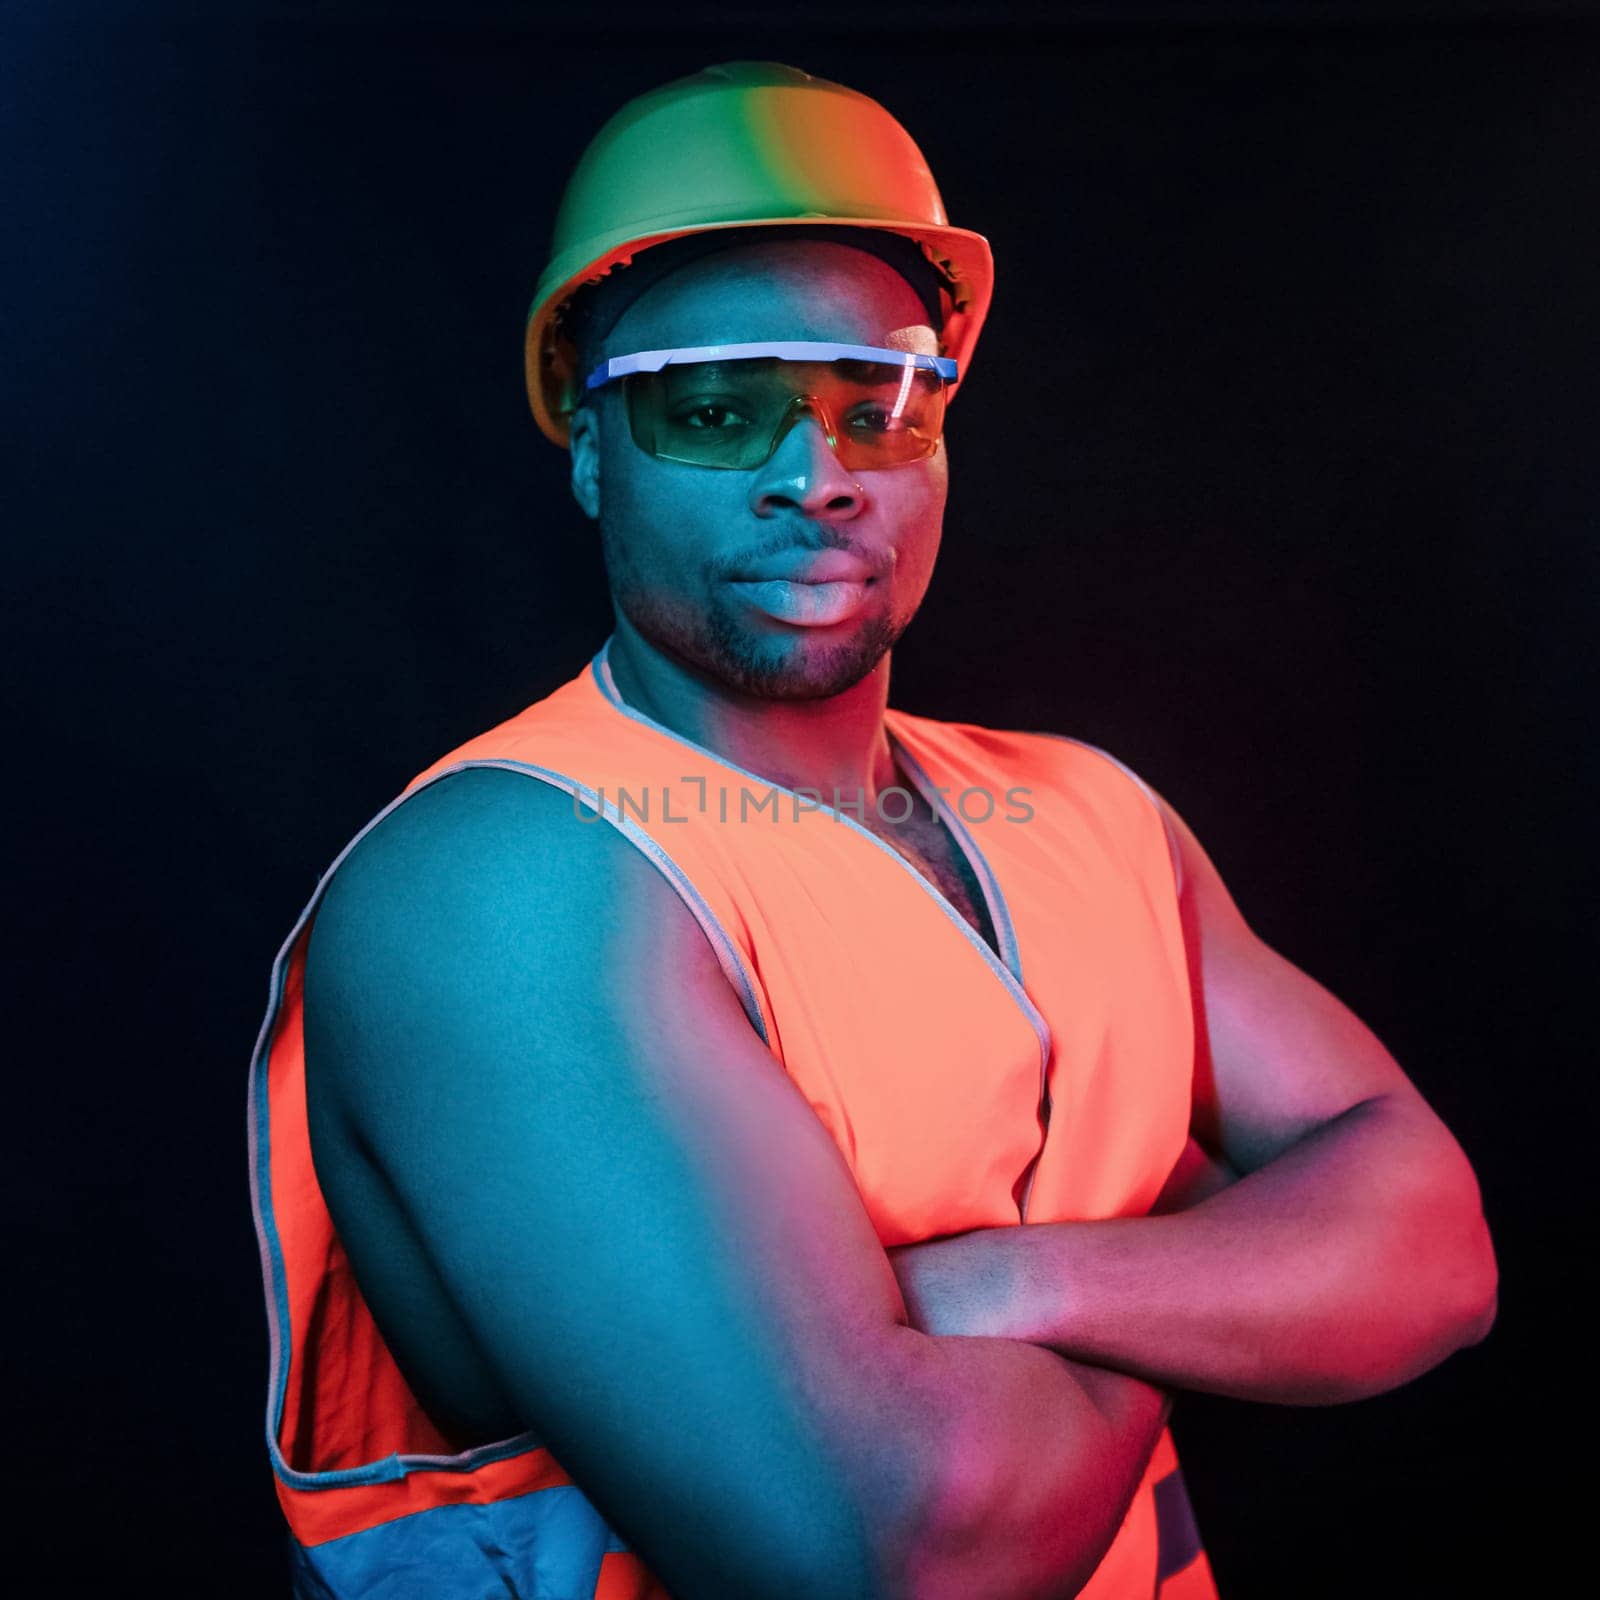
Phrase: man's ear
(584, 434)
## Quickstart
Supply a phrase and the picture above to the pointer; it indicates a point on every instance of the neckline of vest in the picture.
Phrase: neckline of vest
(1008, 971)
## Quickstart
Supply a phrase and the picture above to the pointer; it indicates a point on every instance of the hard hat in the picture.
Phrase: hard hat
(739, 145)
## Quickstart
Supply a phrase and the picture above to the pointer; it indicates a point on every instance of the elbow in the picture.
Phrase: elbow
(1472, 1295)
(1429, 1289)
(914, 1548)
(1478, 1302)
(897, 1509)
(976, 1531)
(923, 1534)
(865, 1549)
(1451, 1235)
(1478, 1328)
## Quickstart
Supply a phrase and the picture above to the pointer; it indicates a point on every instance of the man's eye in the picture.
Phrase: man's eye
(879, 419)
(712, 416)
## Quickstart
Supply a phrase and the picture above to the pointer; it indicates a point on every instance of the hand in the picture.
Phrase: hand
(965, 1283)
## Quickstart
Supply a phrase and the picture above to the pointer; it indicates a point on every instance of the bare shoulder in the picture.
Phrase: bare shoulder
(482, 842)
(486, 890)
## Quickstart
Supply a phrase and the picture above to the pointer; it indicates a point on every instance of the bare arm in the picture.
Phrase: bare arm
(656, 1246)
(1351, 1255)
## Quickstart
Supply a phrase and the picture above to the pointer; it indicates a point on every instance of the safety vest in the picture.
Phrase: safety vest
(965, 1088)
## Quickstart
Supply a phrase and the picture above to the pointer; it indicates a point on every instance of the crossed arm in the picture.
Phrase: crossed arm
(1323, 1239)
(535, 1101)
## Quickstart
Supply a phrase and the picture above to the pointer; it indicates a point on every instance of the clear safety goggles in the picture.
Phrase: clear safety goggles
(730, 405)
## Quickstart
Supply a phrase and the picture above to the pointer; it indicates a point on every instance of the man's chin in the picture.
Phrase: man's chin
(806, 664)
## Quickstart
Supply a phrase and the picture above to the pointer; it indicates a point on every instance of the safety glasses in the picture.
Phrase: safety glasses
(730, 405)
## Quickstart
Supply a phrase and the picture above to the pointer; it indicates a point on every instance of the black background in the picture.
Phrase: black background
(1274, 475)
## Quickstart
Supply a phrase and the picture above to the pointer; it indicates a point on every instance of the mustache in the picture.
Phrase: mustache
(812, 541)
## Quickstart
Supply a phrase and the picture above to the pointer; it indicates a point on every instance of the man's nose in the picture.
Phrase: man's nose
(804, 472)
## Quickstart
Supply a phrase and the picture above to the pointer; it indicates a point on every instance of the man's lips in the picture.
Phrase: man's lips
(806, 604)
(807, 566)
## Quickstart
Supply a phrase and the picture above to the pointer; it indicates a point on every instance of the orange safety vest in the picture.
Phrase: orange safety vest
(965, 1089)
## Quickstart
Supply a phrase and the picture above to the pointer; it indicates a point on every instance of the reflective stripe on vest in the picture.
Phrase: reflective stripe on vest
(960, 1095)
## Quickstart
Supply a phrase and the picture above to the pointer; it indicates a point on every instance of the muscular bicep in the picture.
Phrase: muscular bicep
(653, 1240)
(1276, 1054)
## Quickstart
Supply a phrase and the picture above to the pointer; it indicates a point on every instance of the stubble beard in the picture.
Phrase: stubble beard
(717, 640)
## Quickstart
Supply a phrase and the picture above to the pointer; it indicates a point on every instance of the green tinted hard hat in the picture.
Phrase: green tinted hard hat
(739, 145)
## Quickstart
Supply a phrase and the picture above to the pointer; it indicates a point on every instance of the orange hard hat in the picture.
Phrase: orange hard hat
(739, 145)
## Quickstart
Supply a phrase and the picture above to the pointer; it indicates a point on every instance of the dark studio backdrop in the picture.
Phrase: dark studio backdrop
(1274, 475)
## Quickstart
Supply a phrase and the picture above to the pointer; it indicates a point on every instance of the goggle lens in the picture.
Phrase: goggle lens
(733, 414)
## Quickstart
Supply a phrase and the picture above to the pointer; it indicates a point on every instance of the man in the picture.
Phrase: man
(704, 1203)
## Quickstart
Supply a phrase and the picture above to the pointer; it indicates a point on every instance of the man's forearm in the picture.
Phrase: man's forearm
(1041, 1456)
(1351, 1263)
